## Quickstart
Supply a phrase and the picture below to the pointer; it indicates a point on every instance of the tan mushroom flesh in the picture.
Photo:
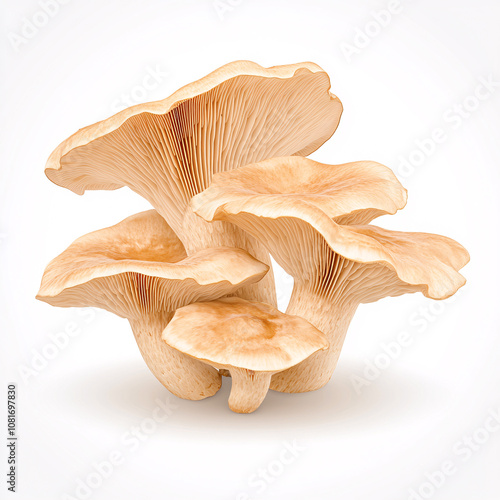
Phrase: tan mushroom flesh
(167, 151)
(300, 214)
(250, 339)
(138, 269)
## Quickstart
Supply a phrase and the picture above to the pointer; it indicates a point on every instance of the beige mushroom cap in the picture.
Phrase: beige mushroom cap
(139, 266)
(232, 332)
(168, 150)
(428, 262)
(295, 206)
(355, 192)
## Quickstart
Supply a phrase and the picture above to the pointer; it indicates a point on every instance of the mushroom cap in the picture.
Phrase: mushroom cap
(168, 150)
(233, 332)
(298, 222)
(354, 192)
(140, 266)
(428, 262)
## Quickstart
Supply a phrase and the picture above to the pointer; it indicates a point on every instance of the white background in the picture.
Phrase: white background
(377, 442)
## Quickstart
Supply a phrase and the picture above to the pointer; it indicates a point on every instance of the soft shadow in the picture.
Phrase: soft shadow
(130, 392)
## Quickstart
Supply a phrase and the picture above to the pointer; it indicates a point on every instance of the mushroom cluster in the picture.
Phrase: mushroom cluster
(223, 163)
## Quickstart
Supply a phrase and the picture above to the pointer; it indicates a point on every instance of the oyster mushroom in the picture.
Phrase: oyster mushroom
(167, 151)
(250, 339)
(138, 269)
(300, 210)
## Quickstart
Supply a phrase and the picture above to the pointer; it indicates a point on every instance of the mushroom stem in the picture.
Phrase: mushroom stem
(197, 234)
(182, 375)
(248, 389)
(330, 316)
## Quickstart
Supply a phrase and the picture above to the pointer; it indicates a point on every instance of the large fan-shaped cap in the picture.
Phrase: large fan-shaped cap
(294, 206)
(139, 267)
(168, 150)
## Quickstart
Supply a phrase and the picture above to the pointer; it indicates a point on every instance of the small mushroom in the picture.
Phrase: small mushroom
(138, 269)
(167, 151)
(250, 339)
(300, 210)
